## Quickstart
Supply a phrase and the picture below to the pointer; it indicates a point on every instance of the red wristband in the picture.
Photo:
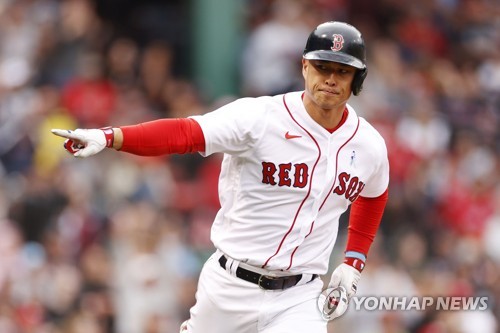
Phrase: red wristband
(355, 262)
(110, 136)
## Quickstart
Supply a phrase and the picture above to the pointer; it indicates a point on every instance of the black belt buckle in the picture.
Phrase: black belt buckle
(278, 283)
(267, 277)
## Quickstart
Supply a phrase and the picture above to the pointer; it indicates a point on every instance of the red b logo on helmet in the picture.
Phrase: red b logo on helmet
(338, 42)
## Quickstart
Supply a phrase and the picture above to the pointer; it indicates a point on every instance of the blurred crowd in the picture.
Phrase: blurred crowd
(115, 243)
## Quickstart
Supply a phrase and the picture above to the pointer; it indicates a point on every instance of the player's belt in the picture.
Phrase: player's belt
(265, 281)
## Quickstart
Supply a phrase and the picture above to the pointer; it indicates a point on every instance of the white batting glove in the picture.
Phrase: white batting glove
(346, 276)
(343, 285)
(86, 142)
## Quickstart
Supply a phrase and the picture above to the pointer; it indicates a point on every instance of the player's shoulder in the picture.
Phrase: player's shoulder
(270, 101)
(262, 105)
(253, 103)
(367, 131)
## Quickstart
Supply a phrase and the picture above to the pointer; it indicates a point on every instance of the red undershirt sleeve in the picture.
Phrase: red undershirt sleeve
(163, 136)
(364, 221)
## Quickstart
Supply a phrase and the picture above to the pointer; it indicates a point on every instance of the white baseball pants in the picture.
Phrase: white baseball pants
(228, 304)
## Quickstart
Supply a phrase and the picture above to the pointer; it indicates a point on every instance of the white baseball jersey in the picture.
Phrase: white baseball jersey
(285, 180)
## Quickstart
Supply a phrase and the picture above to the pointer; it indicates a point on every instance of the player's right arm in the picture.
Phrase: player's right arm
(234, 128)
(158, 137)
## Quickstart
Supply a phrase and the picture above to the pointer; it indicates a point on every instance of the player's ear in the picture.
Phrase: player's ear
(305, 64)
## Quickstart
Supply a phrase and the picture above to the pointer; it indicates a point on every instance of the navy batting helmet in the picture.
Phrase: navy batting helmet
(339, 42)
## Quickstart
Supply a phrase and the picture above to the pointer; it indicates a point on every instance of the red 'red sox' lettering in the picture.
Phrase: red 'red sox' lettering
(287, 175)
(284, 174)
(268, 170)
(349, 187)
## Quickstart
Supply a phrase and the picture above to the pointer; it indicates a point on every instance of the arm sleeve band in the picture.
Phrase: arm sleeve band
(364, 220)
(163, 136)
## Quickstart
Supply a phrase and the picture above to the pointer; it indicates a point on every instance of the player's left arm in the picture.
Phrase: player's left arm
(364, 221)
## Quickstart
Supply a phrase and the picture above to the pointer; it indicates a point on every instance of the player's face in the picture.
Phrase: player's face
(328, 84)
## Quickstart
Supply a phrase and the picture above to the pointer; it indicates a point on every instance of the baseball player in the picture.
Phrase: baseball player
(293, 163)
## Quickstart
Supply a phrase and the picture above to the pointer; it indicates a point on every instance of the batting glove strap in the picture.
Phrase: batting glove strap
(109, 134)
(355, 262)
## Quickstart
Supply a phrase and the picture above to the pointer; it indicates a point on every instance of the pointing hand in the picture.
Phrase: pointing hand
(85, 142)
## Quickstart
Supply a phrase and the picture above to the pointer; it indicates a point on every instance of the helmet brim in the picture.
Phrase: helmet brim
(335, 57)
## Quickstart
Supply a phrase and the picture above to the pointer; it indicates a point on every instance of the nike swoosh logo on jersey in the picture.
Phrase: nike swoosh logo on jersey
(289, 136)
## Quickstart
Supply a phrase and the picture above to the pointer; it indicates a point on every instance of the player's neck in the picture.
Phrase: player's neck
(327, 118)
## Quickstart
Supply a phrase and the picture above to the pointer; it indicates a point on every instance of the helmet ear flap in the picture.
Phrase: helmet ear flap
(357, 82)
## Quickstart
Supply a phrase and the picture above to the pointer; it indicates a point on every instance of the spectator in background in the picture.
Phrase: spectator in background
(269, 63)
(155, 72)
(89, 96)
(121, 62)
